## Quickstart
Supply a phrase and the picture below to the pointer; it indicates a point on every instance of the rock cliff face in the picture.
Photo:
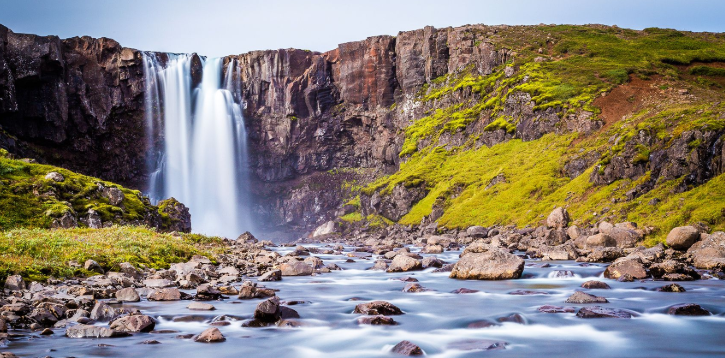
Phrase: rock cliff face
(321, 125)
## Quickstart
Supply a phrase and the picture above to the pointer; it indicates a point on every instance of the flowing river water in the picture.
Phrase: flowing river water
(437, 320)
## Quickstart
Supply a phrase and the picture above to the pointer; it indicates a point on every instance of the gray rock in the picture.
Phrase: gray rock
(407, 349)
(583, 297)
(602, 312)
(688, 309)
(600, 240)
(14, 283)
(92, 265)
(593, 284)
(709, 253)
(55, 176)
(296, 268)
(559, 218)
(200, 306)
(375, 308)
(626, 266)
(404, 263)
(273, 275)
(128, 294)
(378, 320)
(158, 283)
(165, 294)
(86, 331)
(491, 265)
(211, 335)
(102, 312)
(683, 237)
(268, 311)
(135, 323)
(477, 232)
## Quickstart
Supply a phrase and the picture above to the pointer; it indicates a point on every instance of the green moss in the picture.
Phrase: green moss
(352, 217)
(501, 123)
(707, 71)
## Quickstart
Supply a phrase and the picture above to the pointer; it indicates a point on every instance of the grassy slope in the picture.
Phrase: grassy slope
(29, 200)
(581, 63)
(38, 253)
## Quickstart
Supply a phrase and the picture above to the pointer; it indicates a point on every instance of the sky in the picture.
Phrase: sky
(226, 27)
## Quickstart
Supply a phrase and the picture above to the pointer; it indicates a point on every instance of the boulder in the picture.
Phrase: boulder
(380, 265)
(127, 294)
(626, 266)
(268, 311)
(688, 309)
(136, 323)
(593, 284)
(407, 349)
(709, 253)
(375, 308)
(477, 232)
(55, 176)
(211, 335)
(414, 287)
(683, 237)
(378, 320)
(559, 218)
(86, 331)
(14, 283)
(200, 306)
(574, 232)
(673, 287)
(102, 312)
(491, 265)
(583, 297)
(432, 261)
(165, 294)
(600, 240)
(404, 263)
(602, 312)
(272, 275)
(207, 292)
(91, 265)
(296, 268)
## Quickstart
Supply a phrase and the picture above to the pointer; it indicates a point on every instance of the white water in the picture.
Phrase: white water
(202, 160)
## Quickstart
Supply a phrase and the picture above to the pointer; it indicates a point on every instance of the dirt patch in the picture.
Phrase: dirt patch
(626, 99)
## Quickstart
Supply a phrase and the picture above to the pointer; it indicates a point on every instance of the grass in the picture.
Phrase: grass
(28, 200)
(38, 253)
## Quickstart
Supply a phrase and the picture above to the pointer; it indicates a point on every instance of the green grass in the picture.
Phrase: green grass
(29, 200)
(39, 253)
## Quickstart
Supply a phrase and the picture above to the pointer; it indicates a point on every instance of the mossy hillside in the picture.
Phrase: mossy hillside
(567, 68)
(38, 253)
(29, 200)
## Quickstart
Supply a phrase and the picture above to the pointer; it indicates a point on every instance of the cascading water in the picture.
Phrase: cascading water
(203, 160)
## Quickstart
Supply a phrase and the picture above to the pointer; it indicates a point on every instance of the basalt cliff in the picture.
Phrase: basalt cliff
(474, 125)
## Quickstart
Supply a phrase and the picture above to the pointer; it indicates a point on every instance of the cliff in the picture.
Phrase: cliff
(457, 126)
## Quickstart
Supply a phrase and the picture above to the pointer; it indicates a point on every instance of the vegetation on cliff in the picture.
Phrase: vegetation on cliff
(585, 74)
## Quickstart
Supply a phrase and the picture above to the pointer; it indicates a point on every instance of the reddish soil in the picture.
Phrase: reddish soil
(626, 99)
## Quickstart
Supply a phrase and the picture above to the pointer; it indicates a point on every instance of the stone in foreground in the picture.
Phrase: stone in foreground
(211, 335)
(407, 349)
(137, 323)
(491, 265)
(87, 331)
(268, 311)
(378, 308)
(602, 312)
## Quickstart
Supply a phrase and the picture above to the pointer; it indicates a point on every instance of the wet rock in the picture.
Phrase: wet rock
(46, 332)
(296, 268)
(556, 309)
(593, 284)
(378, 320)
(150, 341)
(513, 318)
(477, 345)
(683, 237)
(207, 292)
(380, 265)
(128, 294)
(136, 323)
(102, 312)
(688, 309)
(210, 335)
(14, 283)
(268, 311)
(378, 308)
(414, 287)
(432, 261)
(86, 331)
(602, 312)
(583, 297)
(559, 218)
(673, 287)
(464, 291)
(200, 306)
(250, 290)
(404, 263)
(407, 349)
(158, 283)
(626, 266)
(273, 275)
(165, 294)
(491, 265)
(288, 313)
(445, 268)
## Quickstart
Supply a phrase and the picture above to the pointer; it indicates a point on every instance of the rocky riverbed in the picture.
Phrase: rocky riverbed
(545, 291)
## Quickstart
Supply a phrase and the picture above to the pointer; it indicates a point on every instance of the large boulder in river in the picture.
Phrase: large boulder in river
(210, 335)
(86, 331)
(296, 268)
(491, 265)
(626, 266)
(268, 311)
(602, 312)
(688, 309)
(135, 323)
(559, 218)
(683, 237)
(375, 308)
(709, 253)
(403, 263)
(127, 294)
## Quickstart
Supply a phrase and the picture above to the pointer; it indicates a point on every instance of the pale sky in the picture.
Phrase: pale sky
(224, 27)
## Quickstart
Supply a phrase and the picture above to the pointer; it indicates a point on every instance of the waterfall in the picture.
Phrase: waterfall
(203, 160)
